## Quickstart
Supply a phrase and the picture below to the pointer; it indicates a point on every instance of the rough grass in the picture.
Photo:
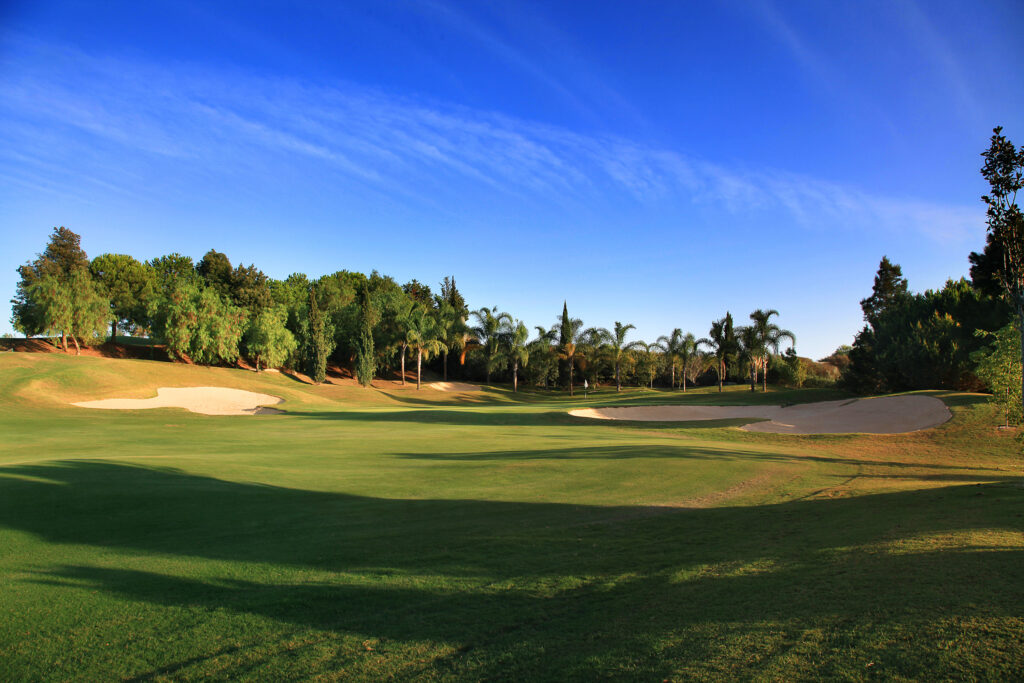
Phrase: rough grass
(371, 534)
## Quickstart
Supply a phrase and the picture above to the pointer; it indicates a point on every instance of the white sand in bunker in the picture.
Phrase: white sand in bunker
(885, 415)
(454, 386)
(205, 400)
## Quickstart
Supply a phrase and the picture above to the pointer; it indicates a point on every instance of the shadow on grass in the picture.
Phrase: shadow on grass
(577, 590)
(691, 451)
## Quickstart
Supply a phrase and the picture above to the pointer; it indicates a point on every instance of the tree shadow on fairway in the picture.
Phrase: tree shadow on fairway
(686, 450)
(438, 416)
(574, 591)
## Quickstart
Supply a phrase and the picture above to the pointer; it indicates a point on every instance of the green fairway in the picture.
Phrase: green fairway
(370, 534)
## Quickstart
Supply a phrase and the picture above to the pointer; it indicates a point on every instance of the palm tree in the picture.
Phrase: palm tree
(771, 336)
(617, 343)
(403, 315)
(453, 331)
(670, 346)
(721, 341)
(570, 350)
(753, 349)
(688, 355)
(487, 333)
(424, 334)
(514, 341)
(544, 345)
(649, 363)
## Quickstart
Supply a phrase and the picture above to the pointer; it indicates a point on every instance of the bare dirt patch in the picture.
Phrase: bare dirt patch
(205, 400)
(884, 415)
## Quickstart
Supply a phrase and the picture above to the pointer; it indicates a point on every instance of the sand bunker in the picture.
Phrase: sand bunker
(454, 386)
(885, 415)
(205, 400)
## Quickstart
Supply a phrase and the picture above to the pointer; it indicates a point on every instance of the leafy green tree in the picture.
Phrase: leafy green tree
(366, 362)
(1004, 172)
(999, 366)
(320, 340)
(129, 285)
(425, 337)
(770, 336)
(62, 256)
(267, 339)
(201, 325)
(489, 325)
(515, 348)
(70, 305)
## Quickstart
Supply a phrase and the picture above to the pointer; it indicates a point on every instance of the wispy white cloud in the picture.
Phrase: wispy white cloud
(411, 150)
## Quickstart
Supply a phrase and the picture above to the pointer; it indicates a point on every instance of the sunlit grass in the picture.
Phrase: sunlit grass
(394, 533)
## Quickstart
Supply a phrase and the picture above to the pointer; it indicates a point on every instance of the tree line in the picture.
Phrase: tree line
(967, 335)
(212, 312)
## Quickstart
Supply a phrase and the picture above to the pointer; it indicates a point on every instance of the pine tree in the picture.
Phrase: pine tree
(890, 287)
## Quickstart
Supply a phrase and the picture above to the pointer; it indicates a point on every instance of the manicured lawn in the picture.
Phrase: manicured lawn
(393, 533)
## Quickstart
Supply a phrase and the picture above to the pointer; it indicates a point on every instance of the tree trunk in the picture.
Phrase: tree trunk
(113, 330)
(618, 382)
(673, 377)
(419, 366)
(515, 376)
(683, 379)
(570, 377)
(64, 341)
(78, 351)
(765, 368)
(753, 374)
(445, 366)
(721, 369)
(257, 362)
(403, 365)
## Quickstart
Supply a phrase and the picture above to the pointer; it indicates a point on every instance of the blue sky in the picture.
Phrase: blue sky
(653, 163)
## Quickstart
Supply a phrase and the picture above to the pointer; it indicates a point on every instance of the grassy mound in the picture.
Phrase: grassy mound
(392, 533)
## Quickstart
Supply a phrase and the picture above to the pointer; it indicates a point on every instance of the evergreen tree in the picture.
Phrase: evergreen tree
(890, 288)
(450, 294)
(366, 363)
(320, 340)
(215, 269)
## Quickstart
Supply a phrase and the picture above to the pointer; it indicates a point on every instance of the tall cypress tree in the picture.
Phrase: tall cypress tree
(564, 336)
(366, 364)
(319, 341)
